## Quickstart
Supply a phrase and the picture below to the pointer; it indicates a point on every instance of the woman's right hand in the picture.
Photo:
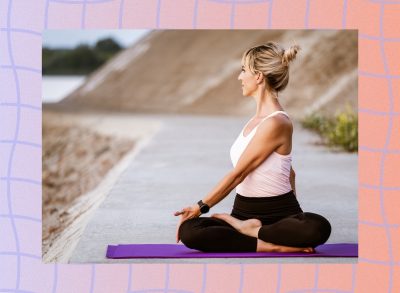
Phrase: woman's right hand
(186, 214)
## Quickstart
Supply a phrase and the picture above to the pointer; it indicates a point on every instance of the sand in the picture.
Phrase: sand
(83, 155)
(157, 76)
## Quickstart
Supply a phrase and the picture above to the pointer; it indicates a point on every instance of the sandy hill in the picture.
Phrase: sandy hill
(186, 71)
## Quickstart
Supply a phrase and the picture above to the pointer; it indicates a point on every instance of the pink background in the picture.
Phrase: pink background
(21, 25)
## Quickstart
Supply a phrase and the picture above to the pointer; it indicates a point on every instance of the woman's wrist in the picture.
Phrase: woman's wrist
(204, 208)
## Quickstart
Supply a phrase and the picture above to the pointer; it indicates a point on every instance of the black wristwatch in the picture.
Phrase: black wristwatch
(204, 208)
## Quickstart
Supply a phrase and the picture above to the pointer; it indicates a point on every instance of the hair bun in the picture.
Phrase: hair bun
(290, 54)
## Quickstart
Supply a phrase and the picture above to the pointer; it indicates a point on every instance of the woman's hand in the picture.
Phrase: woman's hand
(186, 214)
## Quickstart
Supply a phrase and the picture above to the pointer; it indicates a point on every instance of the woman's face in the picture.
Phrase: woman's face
(249, 81)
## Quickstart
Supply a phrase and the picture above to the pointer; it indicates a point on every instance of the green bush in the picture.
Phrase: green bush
(340, 130)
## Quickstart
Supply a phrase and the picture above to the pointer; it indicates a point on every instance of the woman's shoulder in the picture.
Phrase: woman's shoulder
(279, 123)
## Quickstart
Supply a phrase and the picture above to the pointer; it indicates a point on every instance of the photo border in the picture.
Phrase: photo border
(22, 23)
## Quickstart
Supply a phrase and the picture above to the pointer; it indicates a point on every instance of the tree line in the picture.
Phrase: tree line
(78, 61)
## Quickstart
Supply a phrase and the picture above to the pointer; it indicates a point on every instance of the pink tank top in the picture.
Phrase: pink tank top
(271, 177)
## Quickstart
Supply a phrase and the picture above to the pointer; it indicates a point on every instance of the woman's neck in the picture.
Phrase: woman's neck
(267, 103)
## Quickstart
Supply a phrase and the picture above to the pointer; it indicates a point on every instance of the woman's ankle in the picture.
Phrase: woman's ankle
(250, 227)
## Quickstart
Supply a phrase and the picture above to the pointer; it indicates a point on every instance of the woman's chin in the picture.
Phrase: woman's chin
(246, 93)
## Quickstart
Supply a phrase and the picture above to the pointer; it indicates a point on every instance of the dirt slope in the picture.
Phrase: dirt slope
(185, 71)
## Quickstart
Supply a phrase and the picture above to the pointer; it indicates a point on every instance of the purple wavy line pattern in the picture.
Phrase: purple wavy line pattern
(384, 153)
(18, 258)
(12, 152)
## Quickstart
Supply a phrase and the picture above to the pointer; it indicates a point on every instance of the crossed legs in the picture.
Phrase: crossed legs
(251, 228)
(224, 233)
(214, 235)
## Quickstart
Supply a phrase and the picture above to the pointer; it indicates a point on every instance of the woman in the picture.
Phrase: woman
(266, 215)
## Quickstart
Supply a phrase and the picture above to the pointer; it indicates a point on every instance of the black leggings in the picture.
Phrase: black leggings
(284, 223)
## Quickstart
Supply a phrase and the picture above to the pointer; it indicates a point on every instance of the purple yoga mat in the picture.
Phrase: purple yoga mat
(181, 251)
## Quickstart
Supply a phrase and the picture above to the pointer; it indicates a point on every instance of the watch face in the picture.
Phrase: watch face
(204, 209)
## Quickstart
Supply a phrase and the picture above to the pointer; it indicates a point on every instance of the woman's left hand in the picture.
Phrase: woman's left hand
(186, 214)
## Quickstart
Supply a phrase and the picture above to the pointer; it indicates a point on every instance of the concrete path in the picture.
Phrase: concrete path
(183, 161)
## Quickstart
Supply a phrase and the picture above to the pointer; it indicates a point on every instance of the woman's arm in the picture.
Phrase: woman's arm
(292, 180)
(269, 136)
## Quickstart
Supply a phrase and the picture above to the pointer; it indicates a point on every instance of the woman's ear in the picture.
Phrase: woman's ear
(260, 77)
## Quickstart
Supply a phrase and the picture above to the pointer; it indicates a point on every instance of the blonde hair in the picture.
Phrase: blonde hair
(272, 61)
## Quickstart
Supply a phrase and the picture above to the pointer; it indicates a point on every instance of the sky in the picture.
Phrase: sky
(72, 38)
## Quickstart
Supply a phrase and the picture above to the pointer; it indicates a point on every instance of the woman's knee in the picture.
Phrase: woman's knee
(321, 226)
(188, 233)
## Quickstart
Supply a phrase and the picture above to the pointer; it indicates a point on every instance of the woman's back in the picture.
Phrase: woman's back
(271, 177)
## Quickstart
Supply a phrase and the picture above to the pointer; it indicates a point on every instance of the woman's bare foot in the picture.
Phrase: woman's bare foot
(263, 246)
(248, 227)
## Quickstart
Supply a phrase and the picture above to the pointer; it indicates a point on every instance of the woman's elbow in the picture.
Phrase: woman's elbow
(237, 176)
